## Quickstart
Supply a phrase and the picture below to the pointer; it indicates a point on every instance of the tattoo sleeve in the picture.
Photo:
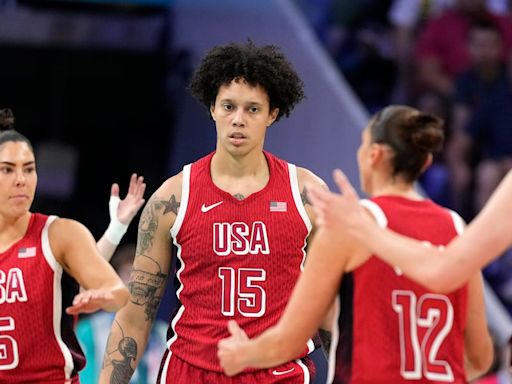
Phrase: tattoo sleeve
(120, 357)
(145, 285)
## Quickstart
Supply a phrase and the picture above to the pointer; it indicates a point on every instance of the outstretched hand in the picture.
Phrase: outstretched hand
(134, 199)
(338, 211)
(230, 349)
(90, 301)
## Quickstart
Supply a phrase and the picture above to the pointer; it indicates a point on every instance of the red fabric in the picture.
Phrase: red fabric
(27, 318)
(180, 372)
(390, 313)
(238, 260)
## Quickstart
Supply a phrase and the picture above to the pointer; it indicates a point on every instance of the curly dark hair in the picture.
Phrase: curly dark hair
(265, 66)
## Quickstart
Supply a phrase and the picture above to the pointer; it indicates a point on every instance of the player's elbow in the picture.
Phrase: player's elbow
(481, 358)
(436, 281)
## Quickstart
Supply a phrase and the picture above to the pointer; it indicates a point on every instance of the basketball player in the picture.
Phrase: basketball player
(240, 220)
(44, 260)
(391, 330)
(440, 269)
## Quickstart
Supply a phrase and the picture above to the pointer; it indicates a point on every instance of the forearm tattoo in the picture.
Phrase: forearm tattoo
(122, 369)
(144, 285)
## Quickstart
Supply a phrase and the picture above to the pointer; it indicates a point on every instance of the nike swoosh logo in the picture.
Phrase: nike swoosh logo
(206, 208)
(279, 373)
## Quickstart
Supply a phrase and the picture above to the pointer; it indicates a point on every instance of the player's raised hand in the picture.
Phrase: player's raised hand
(90, 301)
(128, 207)
(230, 350)
(335, 210)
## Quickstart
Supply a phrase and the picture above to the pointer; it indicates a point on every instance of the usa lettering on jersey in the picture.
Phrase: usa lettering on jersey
(240, 238)
(12, 286)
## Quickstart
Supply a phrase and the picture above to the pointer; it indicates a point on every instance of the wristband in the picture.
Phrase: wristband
(116, 229)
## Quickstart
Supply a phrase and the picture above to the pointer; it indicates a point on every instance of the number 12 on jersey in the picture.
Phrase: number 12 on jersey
(242, 291)
(433, 315)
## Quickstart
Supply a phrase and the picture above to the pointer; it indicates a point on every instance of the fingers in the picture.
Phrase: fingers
(132, 186)
(235, 330)
(89, 301)
(114, 190)
(344, 185)
(137, 186)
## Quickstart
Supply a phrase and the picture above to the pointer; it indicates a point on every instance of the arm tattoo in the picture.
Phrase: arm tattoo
(304, 197)
(144, 284)
(239, 196)
(143, 287)
(122, 369)
(149, 221)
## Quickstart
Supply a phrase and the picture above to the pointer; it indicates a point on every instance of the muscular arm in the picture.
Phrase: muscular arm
(130, 330)
(74, 248)
(306, 177)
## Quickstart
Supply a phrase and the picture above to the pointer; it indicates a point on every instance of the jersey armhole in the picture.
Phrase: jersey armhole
(294, 184)
(376, 211)
(185, 191)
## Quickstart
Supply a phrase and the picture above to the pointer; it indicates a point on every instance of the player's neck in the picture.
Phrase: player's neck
(401, 189)
(240, 176)
(248, 165)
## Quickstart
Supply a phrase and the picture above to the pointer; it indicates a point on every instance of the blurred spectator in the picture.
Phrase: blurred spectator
(358, 38)
(92, 332)
(442, 52)
(482, 126)
(406, 18)
(436, 179)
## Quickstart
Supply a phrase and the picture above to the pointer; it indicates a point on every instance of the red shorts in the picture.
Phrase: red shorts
(178, 371)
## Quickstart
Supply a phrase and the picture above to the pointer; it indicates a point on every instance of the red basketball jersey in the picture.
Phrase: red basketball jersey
(37, 343)
(391, 329)
(237, 259)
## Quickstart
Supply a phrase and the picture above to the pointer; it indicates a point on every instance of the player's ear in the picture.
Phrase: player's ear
(212, 111)
(272, 116)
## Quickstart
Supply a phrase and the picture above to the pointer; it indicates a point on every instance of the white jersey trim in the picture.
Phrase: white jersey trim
(185, 192)
(57, 297)
(294, 184)
(458, 222)
(307, 374)
(376, 212)
(335, 338)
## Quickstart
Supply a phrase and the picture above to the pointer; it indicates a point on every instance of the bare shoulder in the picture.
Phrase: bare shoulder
(62, 229)
(66, 234)
(305, 177)
(164, 204)
(170, 191)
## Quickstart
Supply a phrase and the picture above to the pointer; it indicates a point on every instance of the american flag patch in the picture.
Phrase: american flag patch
(26, 252)
(278, 206)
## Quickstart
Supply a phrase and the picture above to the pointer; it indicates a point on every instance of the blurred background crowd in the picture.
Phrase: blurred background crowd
(100, 88)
